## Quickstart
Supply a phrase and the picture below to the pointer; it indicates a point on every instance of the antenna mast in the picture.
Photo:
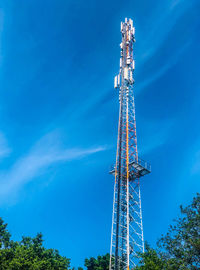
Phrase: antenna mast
(127, 228)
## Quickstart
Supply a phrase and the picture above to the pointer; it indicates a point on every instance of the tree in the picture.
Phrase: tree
(179, 249)
(4, 235)
(28, 254)
(150, 260)
(182, 242)
(101, 263)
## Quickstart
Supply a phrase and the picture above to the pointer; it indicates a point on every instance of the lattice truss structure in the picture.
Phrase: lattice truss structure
(127, 228)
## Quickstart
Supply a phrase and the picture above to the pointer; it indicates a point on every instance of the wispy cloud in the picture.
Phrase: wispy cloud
(44, 153)
(161, 24)
(194, 161)
(4, 148)
(175, 3)
(163, 69)
(155, 135)
(196, 165)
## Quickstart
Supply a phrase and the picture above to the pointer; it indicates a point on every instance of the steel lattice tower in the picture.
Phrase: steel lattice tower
(127, 228)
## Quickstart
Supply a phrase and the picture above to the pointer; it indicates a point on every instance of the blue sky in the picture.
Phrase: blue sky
(59, 113)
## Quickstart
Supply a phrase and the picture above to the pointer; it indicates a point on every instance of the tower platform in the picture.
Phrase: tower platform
(137, 169)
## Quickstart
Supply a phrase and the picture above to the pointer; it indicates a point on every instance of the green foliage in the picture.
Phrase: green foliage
(4, 235)
(101, 263)
(179, 249)
(150, 260)
(28, 254)
(182, 242)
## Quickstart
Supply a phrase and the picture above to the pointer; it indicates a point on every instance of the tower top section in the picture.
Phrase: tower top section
(127, 28)
(127, 63)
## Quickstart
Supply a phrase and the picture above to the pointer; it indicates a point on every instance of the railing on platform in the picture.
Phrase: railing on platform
(140, 162)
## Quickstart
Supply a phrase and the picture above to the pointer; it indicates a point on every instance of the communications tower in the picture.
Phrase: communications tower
(127, 229)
